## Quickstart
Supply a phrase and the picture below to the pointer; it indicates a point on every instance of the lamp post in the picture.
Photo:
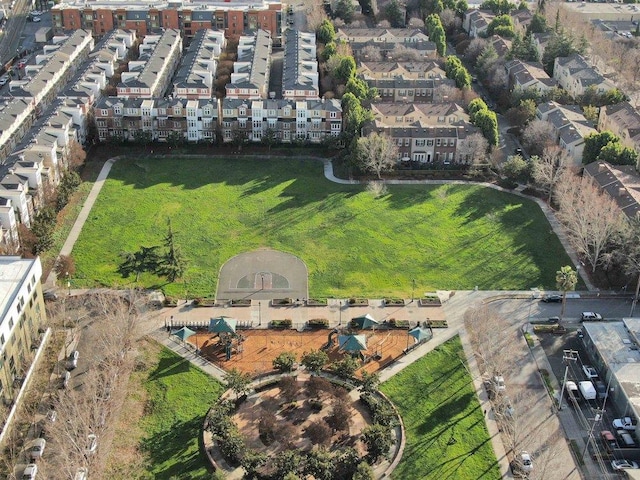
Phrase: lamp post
(68, 282)
(413, 289)
(259, 313)
(340, 312)
(262, 280)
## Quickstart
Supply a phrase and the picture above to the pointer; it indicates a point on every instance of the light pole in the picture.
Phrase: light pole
(596, 419)
(413, 289)
(259, 313)
(68, 282)
(340, 312)
(262, 280)
(567, 356)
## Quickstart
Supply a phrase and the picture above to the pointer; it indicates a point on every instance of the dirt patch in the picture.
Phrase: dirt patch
(255, 350)
(294, 418)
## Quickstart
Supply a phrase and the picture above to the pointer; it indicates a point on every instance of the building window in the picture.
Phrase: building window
(333, 114)
(438, 142)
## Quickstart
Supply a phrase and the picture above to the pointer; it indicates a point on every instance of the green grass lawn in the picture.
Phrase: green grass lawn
(446, 237)
(446, 434)
(178, 397)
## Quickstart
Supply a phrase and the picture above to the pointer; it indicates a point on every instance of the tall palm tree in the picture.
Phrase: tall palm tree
(566, 279)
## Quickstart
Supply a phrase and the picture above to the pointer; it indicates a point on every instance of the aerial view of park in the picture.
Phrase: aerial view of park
(355, 241)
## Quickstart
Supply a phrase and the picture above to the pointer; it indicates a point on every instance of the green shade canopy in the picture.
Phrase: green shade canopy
(352, 343)
(365, 321)
(222, 325)
(420, 334)
(183, 333)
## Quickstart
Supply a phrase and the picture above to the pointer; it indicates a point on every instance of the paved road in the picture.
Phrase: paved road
(12, 30)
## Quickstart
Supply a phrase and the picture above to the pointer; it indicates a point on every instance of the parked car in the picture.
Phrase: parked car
(590, 316)
(522, 463)
(546, 321)
(4, 79)
(30, 472)
(52, 415)
(552, 298)
(498, 383)
(92, 444)
(608, 440)
(73, 360)
(624, 464)
(625, 423)
(625, 439)
(601, 388)
(589, 371)
(65, 378)
(50, 296)
(81, 473)
(37, 449)
(36, 19)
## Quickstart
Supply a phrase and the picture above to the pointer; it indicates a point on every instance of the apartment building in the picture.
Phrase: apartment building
(424, 133)
(575, 75)
(250, 77)
(624, 121)
(234, 18)
(53, 69)
(569, 126)
(16, 118)
(300, 66)
(196, 75)
(156, 119)
(285, 120)
(150, 75)
(386, 41)
(476, 22)
(528, 76)
(393, 69)
(411, 90)
(620, 182)
(22, 320)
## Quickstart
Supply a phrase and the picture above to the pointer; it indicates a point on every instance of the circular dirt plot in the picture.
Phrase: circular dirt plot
(302, 413)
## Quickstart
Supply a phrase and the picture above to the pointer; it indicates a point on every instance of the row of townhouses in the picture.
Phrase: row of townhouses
(150, 75)
(142, 17)
(250, 77)
(424, 133)
(49, 109)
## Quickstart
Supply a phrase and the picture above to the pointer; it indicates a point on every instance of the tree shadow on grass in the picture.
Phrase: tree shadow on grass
(172, 452)
(169, 366)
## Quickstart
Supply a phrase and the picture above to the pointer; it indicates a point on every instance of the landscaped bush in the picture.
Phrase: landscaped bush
(393, 323)
(389, 302)
(346, 367)
(242, 302)
(318, 323)
(316, 302)
(381, 411)
(170, 302)
(358, 301)
(281, 301)
(289, 388)
(267, 427)
(315, 404)
(285, 361)
(232, 446)
(339, 419)
(286, 323)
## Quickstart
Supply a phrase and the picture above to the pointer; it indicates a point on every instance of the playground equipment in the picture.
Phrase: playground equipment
(330, 339)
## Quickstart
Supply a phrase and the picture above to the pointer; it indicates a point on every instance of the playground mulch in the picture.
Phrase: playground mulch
(259, 347)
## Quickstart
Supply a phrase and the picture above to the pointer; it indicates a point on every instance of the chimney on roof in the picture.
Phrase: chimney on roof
(601, 167)
(622, 192)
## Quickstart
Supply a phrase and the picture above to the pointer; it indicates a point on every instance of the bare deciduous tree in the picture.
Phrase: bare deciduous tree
(591, 217)
(447, 93)
(376, 153)
(403, 54)
(548, 169)
(473, 149)
(475, 48)
(76, 156)
(415, 22)
(537, 135)
(371, 53)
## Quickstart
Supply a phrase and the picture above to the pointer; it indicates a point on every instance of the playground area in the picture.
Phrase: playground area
(253, 351)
